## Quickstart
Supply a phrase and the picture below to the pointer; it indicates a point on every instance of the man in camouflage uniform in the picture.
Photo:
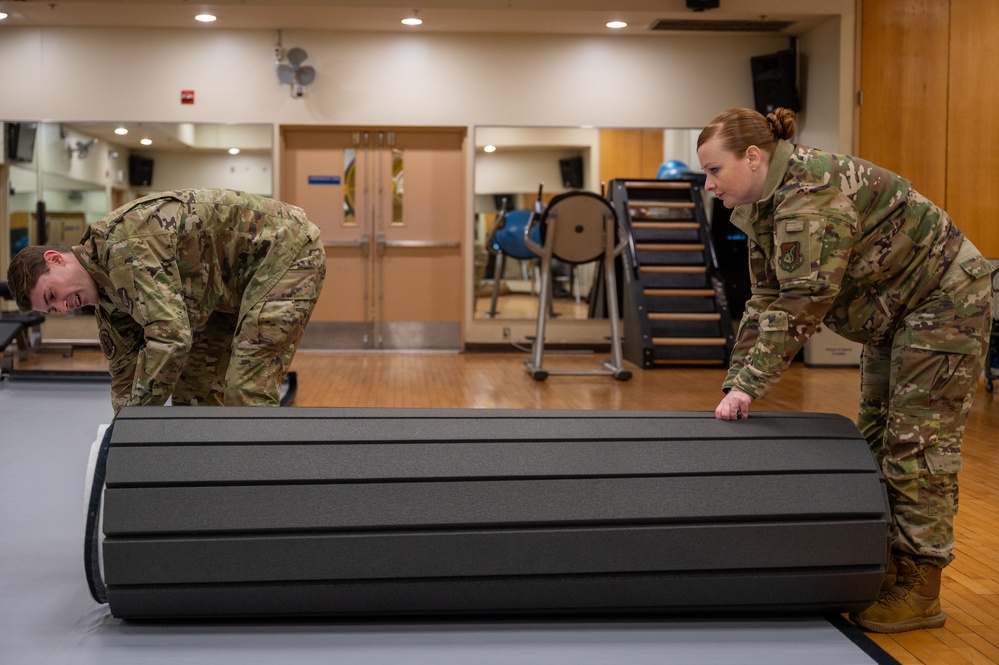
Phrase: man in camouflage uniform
(201, 295)
(838, 241)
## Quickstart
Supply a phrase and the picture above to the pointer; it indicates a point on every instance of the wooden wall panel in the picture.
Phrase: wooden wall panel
(903, 117)
(973, 122)
(630, 153)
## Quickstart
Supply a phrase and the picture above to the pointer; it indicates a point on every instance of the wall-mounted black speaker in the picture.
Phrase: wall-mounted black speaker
(701, 5)
(140, 171)
(775, 81)
(572, 172)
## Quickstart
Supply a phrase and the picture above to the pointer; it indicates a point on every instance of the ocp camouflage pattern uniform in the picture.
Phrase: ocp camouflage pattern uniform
(840, 241)
(204, 295)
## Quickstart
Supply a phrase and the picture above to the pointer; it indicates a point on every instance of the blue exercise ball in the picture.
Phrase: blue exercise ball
(672, 169)
(510, 238)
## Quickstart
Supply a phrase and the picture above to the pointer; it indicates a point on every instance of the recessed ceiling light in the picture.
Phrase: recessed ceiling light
(233, 151)
(204, 18)
(617, 25)
(414, 19)
(121, 131)
(489, 148)
(3, 15)
(146, 141)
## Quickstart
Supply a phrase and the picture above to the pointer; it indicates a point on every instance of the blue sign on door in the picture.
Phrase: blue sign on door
(324, 180)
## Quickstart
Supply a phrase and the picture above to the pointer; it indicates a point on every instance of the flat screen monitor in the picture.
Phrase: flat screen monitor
(21, 141)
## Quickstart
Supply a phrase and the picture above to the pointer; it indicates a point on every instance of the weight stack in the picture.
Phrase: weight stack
(261, 512)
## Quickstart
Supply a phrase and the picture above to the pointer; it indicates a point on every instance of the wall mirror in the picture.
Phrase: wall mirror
(70, 174)
(513, 167)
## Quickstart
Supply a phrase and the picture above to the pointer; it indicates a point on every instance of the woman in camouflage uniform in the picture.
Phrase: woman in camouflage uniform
(201, 295)
(836, 240)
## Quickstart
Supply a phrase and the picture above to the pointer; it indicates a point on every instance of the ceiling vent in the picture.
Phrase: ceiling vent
(697, 25)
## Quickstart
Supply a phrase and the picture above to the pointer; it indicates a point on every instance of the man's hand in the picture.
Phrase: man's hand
(733, 406)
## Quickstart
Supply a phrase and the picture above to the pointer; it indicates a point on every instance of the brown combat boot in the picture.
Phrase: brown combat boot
(891, 574)
(913, 602)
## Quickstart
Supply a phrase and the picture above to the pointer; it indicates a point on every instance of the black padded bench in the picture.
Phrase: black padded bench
(254, 512)
(16, 326)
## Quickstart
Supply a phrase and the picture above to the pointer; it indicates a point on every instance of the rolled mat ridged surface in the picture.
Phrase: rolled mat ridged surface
(260, 512)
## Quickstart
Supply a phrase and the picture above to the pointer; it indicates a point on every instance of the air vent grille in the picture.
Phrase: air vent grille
(720, 26)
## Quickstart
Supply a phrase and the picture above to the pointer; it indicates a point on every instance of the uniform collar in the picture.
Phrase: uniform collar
(98, 274)
(744, 216)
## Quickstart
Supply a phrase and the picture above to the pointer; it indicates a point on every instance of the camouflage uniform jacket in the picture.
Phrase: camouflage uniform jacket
(165, 263)
(835, 239)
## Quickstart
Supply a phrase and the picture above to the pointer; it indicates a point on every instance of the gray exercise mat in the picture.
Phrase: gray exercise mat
(217, 512)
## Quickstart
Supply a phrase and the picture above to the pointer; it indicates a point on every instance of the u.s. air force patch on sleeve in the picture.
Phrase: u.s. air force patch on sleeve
(790, 258)
(107, 344)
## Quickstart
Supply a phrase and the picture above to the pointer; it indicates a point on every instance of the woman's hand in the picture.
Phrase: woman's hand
(733, 406)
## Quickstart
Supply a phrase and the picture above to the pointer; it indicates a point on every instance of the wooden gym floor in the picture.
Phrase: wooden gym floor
(499, 380)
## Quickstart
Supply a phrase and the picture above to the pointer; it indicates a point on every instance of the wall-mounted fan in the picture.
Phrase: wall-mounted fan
(294, 73)
(82, 148)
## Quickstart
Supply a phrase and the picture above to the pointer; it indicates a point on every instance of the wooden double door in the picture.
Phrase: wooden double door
(391, 206)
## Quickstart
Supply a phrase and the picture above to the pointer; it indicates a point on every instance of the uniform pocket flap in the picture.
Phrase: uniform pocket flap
(773, 322)
(942, 463)
(977, 266)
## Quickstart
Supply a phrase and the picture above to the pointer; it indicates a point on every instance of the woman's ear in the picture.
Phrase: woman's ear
(754, 157)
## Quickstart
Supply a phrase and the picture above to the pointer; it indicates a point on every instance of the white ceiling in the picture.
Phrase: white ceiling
(466, 16)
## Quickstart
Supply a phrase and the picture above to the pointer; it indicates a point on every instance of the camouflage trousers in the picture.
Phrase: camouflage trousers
(242, 360)
(916, 394)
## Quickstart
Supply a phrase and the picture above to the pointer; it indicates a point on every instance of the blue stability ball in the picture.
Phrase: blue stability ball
(672, 169)
(510, 238)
